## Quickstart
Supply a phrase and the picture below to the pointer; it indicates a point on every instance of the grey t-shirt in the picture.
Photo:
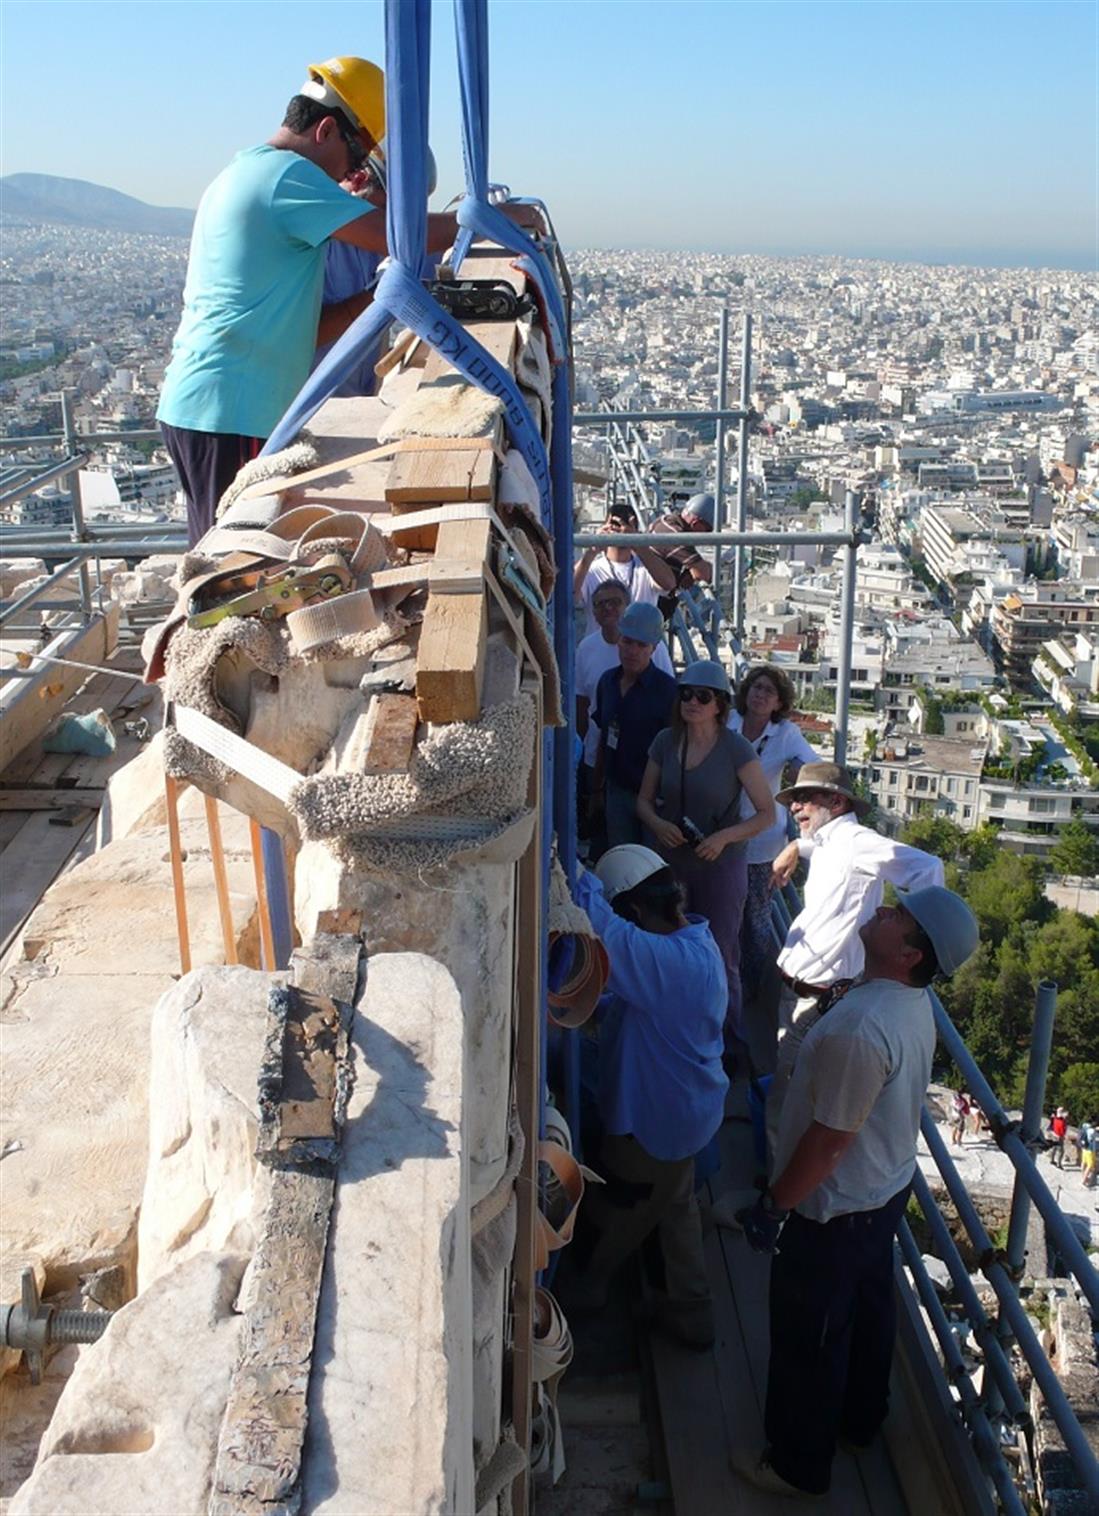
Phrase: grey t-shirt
(709, 794)
(862, 1068)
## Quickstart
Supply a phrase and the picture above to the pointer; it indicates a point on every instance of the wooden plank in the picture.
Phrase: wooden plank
(27, 706)
(90, 797)
(302, 1105)
(485, 261)
(31, 862)
(179, 890)
(694, 1434)
(498, 338)
(392, 734)
(221, 879)
(263, 909)
(450, 660)
(442, 476)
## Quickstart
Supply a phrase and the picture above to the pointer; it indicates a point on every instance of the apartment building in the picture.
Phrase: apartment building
(1032, 614)
(1029, 816)
(949, 532)
(913, 775)
(1067, 669)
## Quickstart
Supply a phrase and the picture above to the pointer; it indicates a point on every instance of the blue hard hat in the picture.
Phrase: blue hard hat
(642, 622)
(701, 507)
(707, 674)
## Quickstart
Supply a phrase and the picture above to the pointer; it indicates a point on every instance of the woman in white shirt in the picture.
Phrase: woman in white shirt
(764, 700)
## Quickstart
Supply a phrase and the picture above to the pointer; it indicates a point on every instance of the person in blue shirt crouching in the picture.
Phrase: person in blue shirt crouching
(661, 1083)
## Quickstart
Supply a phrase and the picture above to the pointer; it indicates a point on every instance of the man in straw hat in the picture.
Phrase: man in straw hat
(849, 865)
(844, 1165)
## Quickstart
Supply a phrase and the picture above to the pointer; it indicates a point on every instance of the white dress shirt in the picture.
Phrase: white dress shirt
(594, 656)
(777, 745)
(849, 865)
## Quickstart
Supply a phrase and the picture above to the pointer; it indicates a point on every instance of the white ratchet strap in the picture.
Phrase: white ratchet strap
(271, 774)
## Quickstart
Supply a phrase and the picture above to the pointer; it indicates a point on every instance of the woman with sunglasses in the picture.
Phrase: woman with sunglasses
(690, 800)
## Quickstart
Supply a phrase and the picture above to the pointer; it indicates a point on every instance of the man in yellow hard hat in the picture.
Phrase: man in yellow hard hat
(252, 299)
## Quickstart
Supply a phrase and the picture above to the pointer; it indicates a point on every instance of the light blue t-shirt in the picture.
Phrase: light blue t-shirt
(348, 271)
(660, 1031)
(253, 293)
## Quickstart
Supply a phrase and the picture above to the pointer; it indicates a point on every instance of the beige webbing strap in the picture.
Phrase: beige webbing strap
(271, 774)
(372, 455)
(342, 616)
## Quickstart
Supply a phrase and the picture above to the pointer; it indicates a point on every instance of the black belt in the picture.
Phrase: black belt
(825, 995)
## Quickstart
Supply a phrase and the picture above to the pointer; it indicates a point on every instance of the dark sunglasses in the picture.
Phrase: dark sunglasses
(356, 152)
(689, 692)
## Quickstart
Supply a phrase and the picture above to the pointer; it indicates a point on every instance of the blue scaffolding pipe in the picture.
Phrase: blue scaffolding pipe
(998, 1365)
(1009, 1141)
(1079, 1449)
(984, 1439)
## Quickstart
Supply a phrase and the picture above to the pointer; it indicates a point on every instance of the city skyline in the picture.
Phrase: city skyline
(892, 131)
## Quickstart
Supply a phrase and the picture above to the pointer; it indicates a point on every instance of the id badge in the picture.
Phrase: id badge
(612, 736)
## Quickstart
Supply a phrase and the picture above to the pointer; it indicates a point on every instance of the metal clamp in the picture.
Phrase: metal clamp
(270, 594)
(36, 1330)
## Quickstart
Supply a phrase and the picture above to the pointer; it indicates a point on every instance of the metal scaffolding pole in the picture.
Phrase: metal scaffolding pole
(742, 473)
(597, 418)
(847, 630)
(79, 534)
(1041, 1045)
(719, 443)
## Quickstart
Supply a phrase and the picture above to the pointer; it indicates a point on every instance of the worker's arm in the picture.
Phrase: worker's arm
(337, 317)
(369, 232)
(580, 573)
(659, 572)
(816, 1156)
(583, 706)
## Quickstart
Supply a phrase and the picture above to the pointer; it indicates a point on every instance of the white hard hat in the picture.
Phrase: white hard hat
(622, 868)
(948, 923)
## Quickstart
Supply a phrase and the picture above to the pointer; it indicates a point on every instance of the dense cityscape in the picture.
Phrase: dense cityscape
(961, 405)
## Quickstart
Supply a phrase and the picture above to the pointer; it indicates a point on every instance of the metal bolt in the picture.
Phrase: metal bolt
(35, 1329)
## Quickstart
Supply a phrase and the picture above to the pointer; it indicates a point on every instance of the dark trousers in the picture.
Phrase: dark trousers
(833, 1324)
(207, 463)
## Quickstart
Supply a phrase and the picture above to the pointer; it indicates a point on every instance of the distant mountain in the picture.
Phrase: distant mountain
(31, 199)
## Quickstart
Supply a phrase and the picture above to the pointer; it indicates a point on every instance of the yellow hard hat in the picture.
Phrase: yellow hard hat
(355, 86)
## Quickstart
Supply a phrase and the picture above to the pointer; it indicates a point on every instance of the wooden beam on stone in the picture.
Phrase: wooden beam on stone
(450, 660)
(303, 1098)
(441, 475)
(498, 338)
(392, 734)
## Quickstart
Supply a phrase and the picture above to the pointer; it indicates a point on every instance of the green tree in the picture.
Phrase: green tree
(1006, 894)
(1076, 850)
(981, 848)
(935, 834)
(1078, 1091)
(933, 723)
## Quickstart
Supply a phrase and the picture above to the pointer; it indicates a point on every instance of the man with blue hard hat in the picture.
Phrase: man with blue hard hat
(844, 1162)
(633, 702)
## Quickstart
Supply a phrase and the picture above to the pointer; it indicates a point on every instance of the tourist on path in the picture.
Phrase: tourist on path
(690, 801)
(595, 654)
(661, 1085)
(764, 700)
(633, 702)
(844, 1165)
(640, 571)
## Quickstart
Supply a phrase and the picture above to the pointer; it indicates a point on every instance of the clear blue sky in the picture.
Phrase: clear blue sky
(950, 131)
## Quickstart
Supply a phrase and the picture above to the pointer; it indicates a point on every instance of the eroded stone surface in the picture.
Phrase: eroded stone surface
(461, 918)
(150, 1396)
(390, 1428)
(207, 1041)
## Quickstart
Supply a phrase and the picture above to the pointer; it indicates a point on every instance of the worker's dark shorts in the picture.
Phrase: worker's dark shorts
(207, 463)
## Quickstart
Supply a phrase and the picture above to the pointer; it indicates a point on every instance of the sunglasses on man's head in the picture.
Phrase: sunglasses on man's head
(689, 692)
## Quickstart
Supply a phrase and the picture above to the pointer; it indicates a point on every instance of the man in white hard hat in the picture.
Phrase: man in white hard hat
(844, 1165)
(661, 1083)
